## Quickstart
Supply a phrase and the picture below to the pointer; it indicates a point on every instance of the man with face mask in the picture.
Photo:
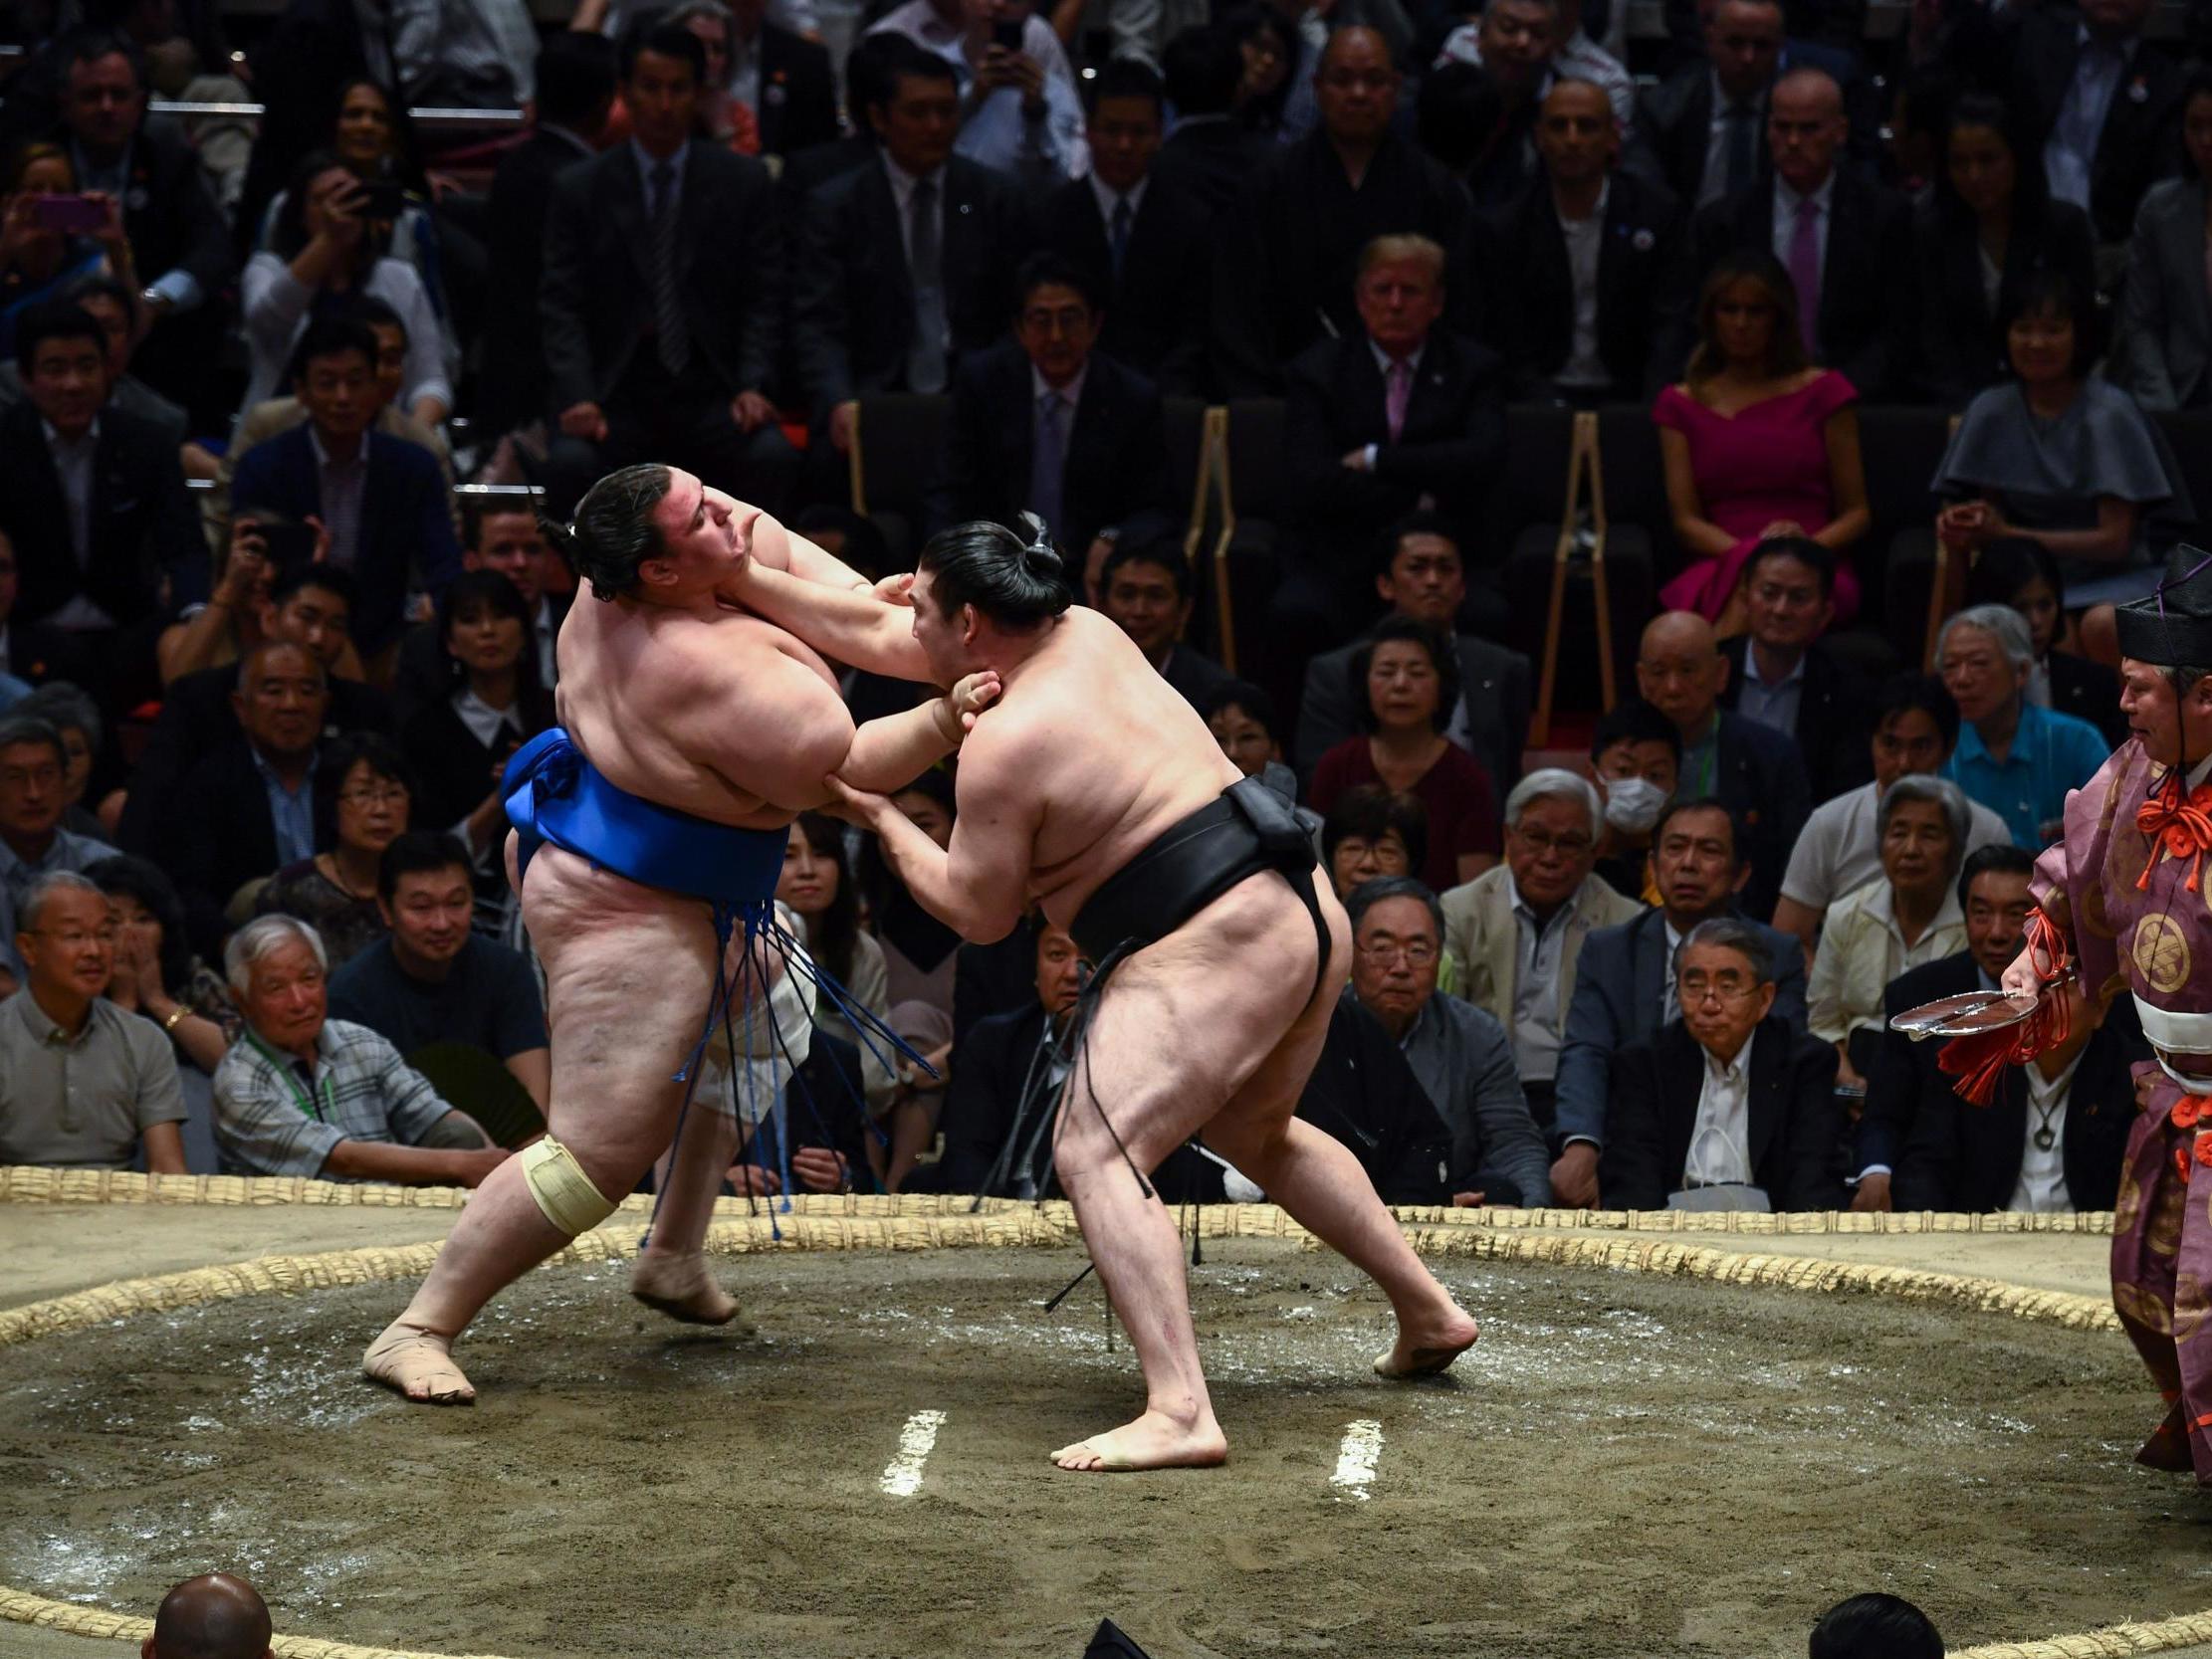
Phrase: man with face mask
(2120, 902)
(1625, 983)
(1635, 754)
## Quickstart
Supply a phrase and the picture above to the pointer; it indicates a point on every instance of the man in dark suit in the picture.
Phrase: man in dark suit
(311, 606)
(661, 303)
(29, 650)
(908, 262)
(575, 92)
(1147, 594)
(381, 499)
(1418, 573)
(1009, 1074)
(1587, 279)
(1625, 988)
(2054, 1136)
(1143, 240)
(1757, 770)
(1292, 251)
(1211, 155)
(1365, 1093)
(1782, 677)
(1402, 415)
(248, 807)
(1702, 125)
(1725, 1099)
(1847, 244)
(180, 244)
(92, 501)
(1043, 423)
(784, 79)
(2065, 68)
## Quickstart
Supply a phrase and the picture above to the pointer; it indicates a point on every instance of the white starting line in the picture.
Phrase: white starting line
(902, 1477)
(1357, 1457)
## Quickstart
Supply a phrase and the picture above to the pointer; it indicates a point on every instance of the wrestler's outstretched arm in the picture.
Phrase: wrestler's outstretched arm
(980, 885)
(854, 625)
(891, 753)
(780, 547)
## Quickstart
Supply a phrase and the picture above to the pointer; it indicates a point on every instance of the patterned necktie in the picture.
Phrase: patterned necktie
(674, 335)
(925, 357)
(1120, 235)
(1805, 272)
(1398, 391)
(1048, 459)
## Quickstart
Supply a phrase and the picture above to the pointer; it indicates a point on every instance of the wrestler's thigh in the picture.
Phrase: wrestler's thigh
(1185, 1023)
(1268, 1098)
(628, 975)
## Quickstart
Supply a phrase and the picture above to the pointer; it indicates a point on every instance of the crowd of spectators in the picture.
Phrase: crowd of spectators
(286, 393)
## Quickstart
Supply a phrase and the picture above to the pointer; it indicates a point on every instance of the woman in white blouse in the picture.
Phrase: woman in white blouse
(1906, 916)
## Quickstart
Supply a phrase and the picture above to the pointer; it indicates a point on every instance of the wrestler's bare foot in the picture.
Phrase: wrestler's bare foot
(417, 1363)
(682, 1287)
(1153, 1441)
(1428, 1349)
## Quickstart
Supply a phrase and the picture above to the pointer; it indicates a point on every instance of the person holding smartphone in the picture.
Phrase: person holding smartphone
(50, 234)
(1015, 114)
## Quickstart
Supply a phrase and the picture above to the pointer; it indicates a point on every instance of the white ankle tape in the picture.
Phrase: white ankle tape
(563, 1191)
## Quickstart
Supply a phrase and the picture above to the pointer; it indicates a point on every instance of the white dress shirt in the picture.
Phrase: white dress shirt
(1585, 239)
(1721, 1144)
(1538, 953)
(2041, 1189)
(73, 461)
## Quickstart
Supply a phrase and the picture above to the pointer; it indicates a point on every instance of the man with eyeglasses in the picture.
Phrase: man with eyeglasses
(33, 844)
(1042, 422)
(1625, 981)
(1784, 678)
(82, 1084)
(1461, 1053)
(1515, 932)
(1726, 1106)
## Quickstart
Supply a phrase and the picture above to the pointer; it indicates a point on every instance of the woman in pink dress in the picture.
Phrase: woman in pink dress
(1757, 442)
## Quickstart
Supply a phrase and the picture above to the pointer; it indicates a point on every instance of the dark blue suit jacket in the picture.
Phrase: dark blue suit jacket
(1759, 772)
(1619, 981)
(406, 523)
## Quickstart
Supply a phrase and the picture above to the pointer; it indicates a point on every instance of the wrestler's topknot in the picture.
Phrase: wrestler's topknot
(613, 533)
(1015, 577)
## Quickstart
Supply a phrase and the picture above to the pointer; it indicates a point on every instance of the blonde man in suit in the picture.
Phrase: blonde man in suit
(1514, 932)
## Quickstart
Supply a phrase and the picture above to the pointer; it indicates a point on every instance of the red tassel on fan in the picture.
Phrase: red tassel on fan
(1979, 1061)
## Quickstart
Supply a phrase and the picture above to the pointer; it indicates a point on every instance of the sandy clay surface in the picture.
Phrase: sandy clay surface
(1625, 1466)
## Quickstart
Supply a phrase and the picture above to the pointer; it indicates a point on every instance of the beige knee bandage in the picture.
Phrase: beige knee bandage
(563, 1190)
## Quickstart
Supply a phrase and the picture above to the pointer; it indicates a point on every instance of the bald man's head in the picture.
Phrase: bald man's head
(1681, 671)
(1355, 87)
(1806, 128)
(216, 1617)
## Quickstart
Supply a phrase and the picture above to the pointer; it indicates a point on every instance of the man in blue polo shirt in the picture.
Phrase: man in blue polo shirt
(2013, 757)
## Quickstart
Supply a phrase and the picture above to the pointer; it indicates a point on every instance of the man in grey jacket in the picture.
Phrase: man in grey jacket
(1458, 1053)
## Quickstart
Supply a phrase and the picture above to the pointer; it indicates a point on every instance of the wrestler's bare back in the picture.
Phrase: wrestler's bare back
(1097, 751)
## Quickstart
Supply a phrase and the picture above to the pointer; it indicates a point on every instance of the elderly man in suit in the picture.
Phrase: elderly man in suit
(2162, 345)
(92, 501)
(1146, 242)
(1847, 244)
(1402, 415)
(1516, 931)
(575, 95)
(2053, 1137)
(1728, 1106)
(909, 260)
(1757, 770)
(1586, 278)
(179, 243)
(1046, 424)
(1298, 240)
(1625, 979)
(661, 303)
(382, 500)
(1420, 574)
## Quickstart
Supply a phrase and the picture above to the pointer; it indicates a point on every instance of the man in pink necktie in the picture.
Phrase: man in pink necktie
(1806, 128)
